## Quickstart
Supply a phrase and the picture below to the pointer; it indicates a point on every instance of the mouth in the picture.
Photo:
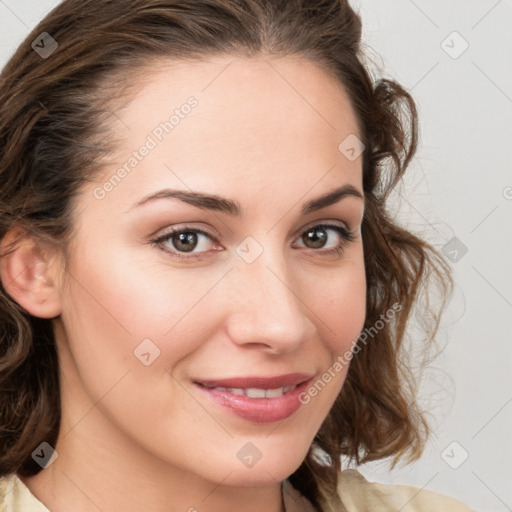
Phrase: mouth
(255, 392)
(257, 399)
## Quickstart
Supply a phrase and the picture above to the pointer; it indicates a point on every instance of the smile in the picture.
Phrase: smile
(256, 392)
(256, 399)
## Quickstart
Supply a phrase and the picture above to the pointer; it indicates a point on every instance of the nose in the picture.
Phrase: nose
(268, 308)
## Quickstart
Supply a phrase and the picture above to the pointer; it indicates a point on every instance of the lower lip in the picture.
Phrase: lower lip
(258, 410)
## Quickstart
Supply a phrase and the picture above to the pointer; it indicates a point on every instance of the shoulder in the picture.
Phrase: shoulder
(359, 495)
(16, 497)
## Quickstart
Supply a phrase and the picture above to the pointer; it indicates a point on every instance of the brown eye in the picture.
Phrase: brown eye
(185, 241)
(316, 236)
(178, 242)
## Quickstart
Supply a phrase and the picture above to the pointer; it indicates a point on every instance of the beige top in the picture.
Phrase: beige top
(355, 492)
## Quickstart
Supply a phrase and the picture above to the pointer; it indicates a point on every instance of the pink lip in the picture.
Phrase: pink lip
(258, 410)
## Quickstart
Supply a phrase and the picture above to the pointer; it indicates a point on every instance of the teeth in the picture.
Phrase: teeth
(272, 393)
(256, 392)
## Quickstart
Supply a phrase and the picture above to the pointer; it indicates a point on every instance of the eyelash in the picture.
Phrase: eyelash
(346, 235)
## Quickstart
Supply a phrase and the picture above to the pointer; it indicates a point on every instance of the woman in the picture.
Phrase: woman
(203, 297)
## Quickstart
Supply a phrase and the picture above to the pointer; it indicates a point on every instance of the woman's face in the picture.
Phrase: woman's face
(199, 350)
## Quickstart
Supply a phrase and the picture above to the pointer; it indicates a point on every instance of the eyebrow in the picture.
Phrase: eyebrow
(231, 207)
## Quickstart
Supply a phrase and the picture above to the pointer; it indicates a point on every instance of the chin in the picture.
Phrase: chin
(274, 465)
(262, 474)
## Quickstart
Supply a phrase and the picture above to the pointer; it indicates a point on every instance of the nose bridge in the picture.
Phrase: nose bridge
(269, 309)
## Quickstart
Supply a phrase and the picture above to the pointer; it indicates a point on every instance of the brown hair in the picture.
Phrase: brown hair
(54, 115)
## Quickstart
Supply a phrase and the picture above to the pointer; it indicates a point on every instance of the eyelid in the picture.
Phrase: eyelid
(348, 236)
(318, 223)
(213, 233)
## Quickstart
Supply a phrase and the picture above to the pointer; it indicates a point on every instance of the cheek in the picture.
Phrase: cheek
(340, 304)
(342, 307)
(129, 325)
(343, 312)
(119, 300)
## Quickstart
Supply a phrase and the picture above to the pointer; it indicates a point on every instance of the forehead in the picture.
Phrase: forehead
(256, 123)
(244, 89)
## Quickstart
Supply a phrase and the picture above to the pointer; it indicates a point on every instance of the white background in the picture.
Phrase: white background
(459, 186)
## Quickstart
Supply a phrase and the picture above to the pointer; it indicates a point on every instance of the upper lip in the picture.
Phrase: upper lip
(280, 381)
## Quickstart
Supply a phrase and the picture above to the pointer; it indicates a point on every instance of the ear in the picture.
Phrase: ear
(29, 273)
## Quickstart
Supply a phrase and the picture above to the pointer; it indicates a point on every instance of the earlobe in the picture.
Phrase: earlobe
(26, 272)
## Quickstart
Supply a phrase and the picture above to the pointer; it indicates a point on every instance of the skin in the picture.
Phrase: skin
(265, 132)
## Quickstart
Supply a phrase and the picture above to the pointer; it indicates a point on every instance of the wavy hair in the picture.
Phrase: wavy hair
(54, 120)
